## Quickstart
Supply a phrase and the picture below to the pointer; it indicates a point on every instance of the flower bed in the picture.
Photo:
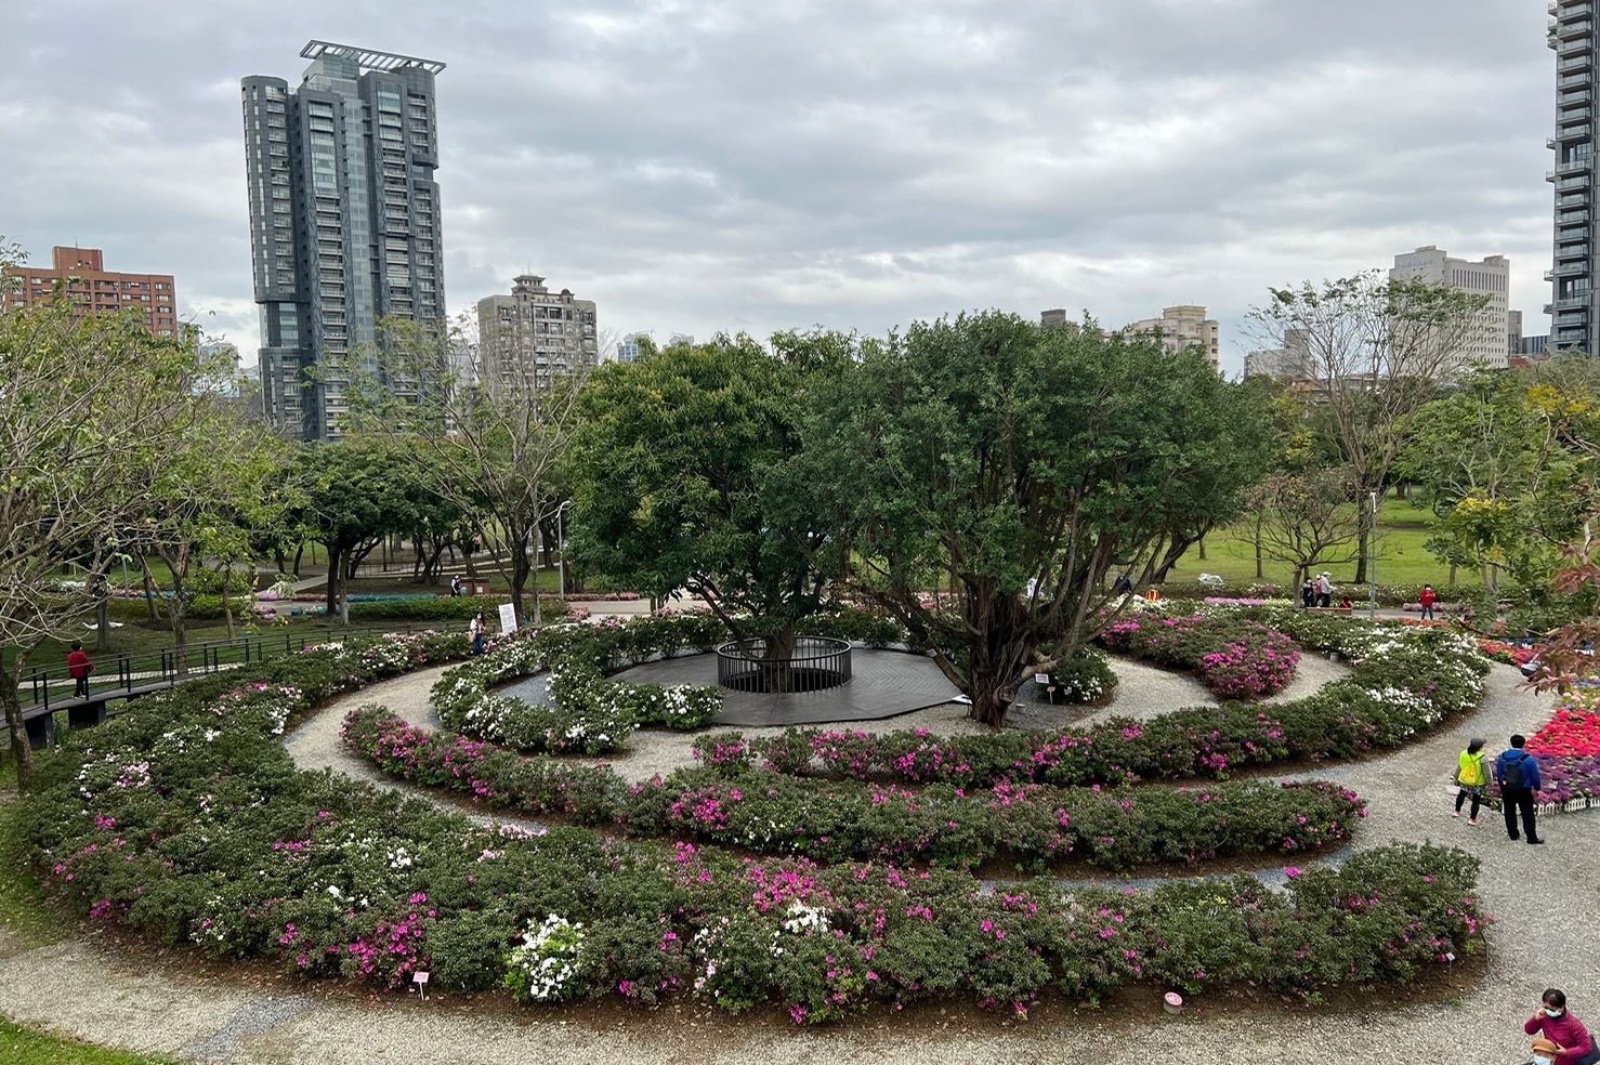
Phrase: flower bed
(1568, 750)
(1236, 658)
(186, 822)
(1404, 683)
(586, 714)
(770, 813)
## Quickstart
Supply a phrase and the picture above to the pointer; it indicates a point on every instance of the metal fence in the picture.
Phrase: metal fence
(815, 664)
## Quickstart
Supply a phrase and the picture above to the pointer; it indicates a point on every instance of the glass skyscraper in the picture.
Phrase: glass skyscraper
(344, 223)
(1574, 319)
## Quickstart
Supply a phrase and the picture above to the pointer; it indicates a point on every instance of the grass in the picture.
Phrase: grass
(23, 1046)
(1401, 557)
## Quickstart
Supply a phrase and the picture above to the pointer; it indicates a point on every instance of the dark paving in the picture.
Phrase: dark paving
(885, 684)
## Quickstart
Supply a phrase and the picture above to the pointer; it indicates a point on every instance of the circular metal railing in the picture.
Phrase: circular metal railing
(815, 663)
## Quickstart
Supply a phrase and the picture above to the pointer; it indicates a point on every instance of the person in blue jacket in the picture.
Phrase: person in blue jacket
(1517, 773)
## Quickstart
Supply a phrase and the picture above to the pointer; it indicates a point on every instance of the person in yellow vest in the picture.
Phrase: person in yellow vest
(1471, 779)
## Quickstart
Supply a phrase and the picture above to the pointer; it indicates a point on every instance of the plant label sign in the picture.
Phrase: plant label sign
(421, 980)
(508, 618)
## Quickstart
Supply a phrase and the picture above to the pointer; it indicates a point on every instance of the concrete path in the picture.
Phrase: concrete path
(1546, 901)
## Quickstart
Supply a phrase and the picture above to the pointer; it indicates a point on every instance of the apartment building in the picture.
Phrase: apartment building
(80, 275)
(533, 335)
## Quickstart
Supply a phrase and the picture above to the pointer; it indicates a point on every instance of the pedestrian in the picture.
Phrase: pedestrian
(1517, 773)
(455, 586)
(479, 634)
(1472, 777)
(1427, 598)
(1123, 585)
(1570, 1042)
(79, 666)
(1325, 589)
(1308, 593)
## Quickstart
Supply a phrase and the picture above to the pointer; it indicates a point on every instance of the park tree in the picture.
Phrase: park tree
(1017, 466)
(490, 447)
(350, 496)
(1305, 519)
(208, 493)
(88, 404)
(685, 477)
(1375, 350)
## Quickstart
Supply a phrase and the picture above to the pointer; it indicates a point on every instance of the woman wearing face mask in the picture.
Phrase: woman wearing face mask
(1573, 1046)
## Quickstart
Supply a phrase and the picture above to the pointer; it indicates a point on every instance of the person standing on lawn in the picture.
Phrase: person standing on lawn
(1325, 590)
(1517, 773)
(1472, 776)
(79, 666)
(1427, 598)
(1573, 1043)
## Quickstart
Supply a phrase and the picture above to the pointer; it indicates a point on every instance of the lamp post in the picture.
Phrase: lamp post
(1372, 562)
(561, 545)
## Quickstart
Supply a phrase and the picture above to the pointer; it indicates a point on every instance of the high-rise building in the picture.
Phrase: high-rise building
(532, 335)
(344, 223)
(1513, 332)
(81, 275)
(1575, 318)
(1290, 364)
(1182, 328)
(1485, 342)
(629, 348)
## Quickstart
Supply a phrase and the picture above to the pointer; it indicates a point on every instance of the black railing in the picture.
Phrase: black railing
(815, 663)
(116, 676)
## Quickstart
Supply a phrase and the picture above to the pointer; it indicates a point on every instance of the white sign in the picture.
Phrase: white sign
(508, 617)
(421, 980)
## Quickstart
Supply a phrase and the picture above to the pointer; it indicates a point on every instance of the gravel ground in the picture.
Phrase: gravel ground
(1548, 934)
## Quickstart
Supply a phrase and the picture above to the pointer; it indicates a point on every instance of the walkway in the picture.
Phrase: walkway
(1548, 934)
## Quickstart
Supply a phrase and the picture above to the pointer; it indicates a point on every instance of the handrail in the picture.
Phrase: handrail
(119, 674)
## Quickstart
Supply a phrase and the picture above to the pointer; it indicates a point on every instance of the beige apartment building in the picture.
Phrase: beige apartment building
(527, 338)
(1486, 343)
(1182, 328)
(82, 277)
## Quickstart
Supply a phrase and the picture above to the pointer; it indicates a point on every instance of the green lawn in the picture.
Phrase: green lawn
(1401, 557)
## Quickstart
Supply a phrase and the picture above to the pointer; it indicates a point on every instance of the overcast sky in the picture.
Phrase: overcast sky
(769, 164)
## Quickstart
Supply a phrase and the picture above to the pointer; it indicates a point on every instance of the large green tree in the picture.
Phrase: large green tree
(351, 495)
(1017, 466)
(685, 477)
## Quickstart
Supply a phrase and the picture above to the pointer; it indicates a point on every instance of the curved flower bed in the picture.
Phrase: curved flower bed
(768, 813)
(187, 822)
(1404, 683)
(1233, 656)
(1568, 750)
(587, 713)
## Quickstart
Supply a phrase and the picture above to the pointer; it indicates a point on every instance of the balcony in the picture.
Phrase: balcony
(1568, 81)
(1571, 98)
(1577, 46)
(1568, 303)
(1567, 167)
(1568, 218)
(1567, 31)
(1580, 252)
(1566, 270)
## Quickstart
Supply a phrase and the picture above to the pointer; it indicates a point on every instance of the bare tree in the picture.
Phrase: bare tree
(85, 401)
(491, 447)
(1375, 350)
(1305, 519)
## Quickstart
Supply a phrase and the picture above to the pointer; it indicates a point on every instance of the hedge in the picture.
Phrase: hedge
(186, 822)
(768, 813)
(1234, 657)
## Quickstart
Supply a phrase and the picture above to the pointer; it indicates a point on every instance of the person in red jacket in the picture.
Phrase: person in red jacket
(1572, 1039)
(79, 667)
(1427, 599)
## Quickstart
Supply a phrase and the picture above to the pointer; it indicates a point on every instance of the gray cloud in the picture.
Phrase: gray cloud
(696, 166)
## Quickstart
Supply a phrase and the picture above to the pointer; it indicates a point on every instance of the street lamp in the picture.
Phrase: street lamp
(561, 545)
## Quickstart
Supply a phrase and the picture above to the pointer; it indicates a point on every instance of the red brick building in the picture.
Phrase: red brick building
(95, 289)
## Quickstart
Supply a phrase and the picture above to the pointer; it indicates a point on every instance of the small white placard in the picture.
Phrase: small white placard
(419, 978)
(508, 617)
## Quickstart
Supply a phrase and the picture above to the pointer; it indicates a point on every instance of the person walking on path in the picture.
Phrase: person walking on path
(1517, 773)
(455, 586)
(1427, 598)
(1308, 594)
(79, 666)
(1573, 1043)
(1325, 590)
(479, 634)
(1472, 776)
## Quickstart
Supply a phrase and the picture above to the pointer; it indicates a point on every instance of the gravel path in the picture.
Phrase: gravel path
(1545, 899)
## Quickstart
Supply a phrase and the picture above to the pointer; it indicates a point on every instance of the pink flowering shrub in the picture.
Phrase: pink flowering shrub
(1235, 658)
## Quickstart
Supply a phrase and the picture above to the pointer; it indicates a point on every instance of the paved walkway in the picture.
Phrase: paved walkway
(1546, 900)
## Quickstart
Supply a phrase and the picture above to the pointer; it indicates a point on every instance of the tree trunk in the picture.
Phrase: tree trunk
(1261, 572)
(1202, 549)
(21, 750)
(1452, 576)
(299, 552)
(335, 579)
(1402, 490)
(1362, 543)
(150, 595)
(227, 601)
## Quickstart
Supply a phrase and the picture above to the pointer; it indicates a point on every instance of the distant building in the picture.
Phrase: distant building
(1539, 345)
(1056, 318)
(680, 338)
(81, 275)
(344, 223)
(1575, 319)
(1485, 344)
(629, 348)
(1513, 332)
(463, 362)
(1183, 328)
(532, 335)
(1290, 364)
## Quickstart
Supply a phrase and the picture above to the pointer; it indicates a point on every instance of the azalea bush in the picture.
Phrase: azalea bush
(1236, 658)
(1084, 678)
(585, 713)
